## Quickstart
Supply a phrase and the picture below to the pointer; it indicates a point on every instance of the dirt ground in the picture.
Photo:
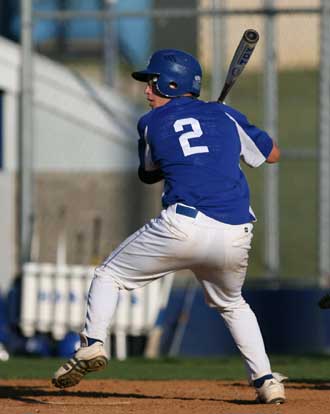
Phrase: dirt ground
(161, 397)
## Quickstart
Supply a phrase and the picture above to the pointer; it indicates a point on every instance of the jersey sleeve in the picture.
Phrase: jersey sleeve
(145, 156)
(256, 144)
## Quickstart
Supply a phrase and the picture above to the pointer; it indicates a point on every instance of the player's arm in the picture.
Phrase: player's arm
(148, 172)
(150, 177)
(257, 146)
(274, 155)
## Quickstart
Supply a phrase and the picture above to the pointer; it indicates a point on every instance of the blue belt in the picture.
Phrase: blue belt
(186, 211)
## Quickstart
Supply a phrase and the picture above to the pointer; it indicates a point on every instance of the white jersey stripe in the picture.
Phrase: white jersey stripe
(250, 153)
(149, 165)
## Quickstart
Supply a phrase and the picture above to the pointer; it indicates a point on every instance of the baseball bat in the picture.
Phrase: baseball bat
(241, 57)
(183, 318)
(152, 349)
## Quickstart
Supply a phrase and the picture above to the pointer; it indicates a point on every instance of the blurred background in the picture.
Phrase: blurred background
(68, 167)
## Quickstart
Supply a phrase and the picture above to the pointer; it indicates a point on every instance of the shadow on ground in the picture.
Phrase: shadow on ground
(31, 394)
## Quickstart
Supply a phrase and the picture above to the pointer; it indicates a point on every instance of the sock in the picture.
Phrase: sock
(259, 382)
(91, 341)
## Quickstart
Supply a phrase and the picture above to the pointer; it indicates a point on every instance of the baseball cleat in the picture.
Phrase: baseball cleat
(271, 392)
(87, 359)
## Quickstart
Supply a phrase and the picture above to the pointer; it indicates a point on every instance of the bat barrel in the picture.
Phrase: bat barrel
(251, 36)
(240, 59)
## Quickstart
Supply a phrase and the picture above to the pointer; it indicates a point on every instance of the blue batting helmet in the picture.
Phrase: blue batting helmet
(174, 73)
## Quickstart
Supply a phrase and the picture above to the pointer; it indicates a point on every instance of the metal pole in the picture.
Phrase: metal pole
(110, 45)
(271, 182)
(324, 148)
(171, 13)
(26, 133)
(61, 35)
(219, 48)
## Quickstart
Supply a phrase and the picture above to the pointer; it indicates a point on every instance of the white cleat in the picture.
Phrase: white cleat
(86, 359)
(279, 377)
(271, 392)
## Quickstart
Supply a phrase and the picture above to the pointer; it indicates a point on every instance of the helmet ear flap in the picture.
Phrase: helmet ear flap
(155, 85)
(167, 87)
(173, 85)
(172, 88)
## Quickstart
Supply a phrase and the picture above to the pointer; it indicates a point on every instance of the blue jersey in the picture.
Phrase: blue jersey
(198, 147)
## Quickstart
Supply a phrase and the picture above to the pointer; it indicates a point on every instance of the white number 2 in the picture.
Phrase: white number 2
(186, 136)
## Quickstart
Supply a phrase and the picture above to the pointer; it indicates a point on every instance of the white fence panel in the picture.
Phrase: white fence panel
(54, 299)
(61, 287)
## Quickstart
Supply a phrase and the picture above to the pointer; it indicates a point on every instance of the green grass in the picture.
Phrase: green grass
(297, 368)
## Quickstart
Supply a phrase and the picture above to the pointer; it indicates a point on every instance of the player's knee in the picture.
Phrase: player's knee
(103, 272)
(224, 306)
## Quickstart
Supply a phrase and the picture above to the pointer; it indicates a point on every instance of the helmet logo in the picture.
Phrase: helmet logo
(171, 58)
(197, 82)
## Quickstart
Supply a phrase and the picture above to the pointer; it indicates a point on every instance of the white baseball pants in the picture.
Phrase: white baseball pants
(182, 238)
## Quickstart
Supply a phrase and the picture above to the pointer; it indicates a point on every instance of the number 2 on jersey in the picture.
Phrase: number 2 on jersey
(186, 136)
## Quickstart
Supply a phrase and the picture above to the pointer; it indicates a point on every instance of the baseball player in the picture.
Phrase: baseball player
(195, 147)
